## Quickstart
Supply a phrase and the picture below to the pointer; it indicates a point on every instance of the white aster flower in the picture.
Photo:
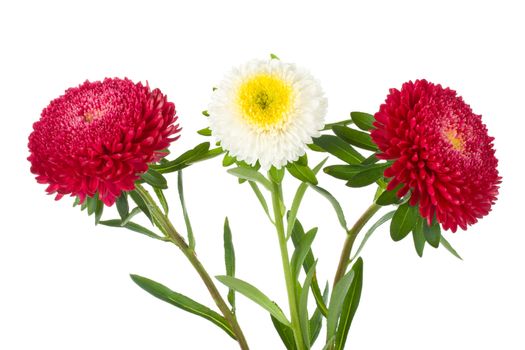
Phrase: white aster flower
(267, 111)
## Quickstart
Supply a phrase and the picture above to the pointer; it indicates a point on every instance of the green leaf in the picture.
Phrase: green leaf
(432, 233)
(132, 227)
(302, 250)
(369, 175)
(91, 204)
(302, 173)
(261, 199)
(141, 204)
(364, 121)
(274, 57)
(154, 179)
(343, 171)
(350, 305)
(315, 148)
(205, 113)
(285, 333)
(299, 194)
(189, 229)
(336, 303)
(98, 211)
(130, 216)
(162, 200)
(448, 247)
(204, 132)
(303, 306)
(302, 160)
(337, 147)
(403, 221)
(255, 295)
(371, 230)
(183, 302)
(419, 236)
(276, 175)
(389, 197)
(122, 205)
(198, 153)
(316, 321)
(372, 159)
(229, 259)
(335, 204)
(355, 137)
(251, 175)
(329, 126)
(228, 160)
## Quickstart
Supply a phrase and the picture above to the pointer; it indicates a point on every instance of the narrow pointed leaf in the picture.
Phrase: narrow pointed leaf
(303, 306)
(371, 230)
(122, 205)
(302, 173)
(251, 175)
(162, 200)
(337, 147)
(316, 321)
(255, 295)
(285, 333)
(197, 154)
(419, 237)
(336, 303)
(329, 126)
(389, 197)
(355, 137)
(364, 121)
(403, 221)
(130, 216)
(228, 160)
(98, 211)
(302, 251)
(432, 233)
(335, 205)
(367, 176)
(276, 175)
(132, 227)
(189, 229)
(261, 199)
(229, 259)
(343, 171)
(299, 194)
(91, 204)
(183, 302)
(350, 305)
(155, 179)
(141, 204)
(448, 247)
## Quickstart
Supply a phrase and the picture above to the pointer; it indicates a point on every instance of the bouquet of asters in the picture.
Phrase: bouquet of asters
(108, 144)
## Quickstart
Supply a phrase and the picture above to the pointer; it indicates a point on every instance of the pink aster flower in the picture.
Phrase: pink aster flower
(99, 138)
(441, 151)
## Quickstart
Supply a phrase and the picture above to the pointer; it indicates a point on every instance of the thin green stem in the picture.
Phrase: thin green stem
(167, 228)
(344, 260)
(290, 283)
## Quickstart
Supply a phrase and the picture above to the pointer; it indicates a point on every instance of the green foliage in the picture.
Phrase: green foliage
(419, 236)
(133, 227)
(403, 221)
(251, 175)
(183, 302)
(189, 229)
(355, 137)
(367, 175)
(302, 172)
(337, 147)
(255, 295)
(229, 259)
(197, 154)
(154, 179)
(364, 121)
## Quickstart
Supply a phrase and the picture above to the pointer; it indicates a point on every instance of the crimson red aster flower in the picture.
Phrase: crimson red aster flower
(99, 138)
(442, 153)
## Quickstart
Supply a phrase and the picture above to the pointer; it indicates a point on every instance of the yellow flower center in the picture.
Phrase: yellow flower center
(265, 100)
(455, 139)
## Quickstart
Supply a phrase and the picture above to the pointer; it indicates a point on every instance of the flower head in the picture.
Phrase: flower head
(99, 137)
(442, 153)
(267, 111)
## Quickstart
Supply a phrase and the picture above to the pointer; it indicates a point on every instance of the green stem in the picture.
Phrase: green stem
(344, 260)
(290, 283)
(167, 228)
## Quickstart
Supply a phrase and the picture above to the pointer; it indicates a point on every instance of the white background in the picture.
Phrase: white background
(64, 282)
